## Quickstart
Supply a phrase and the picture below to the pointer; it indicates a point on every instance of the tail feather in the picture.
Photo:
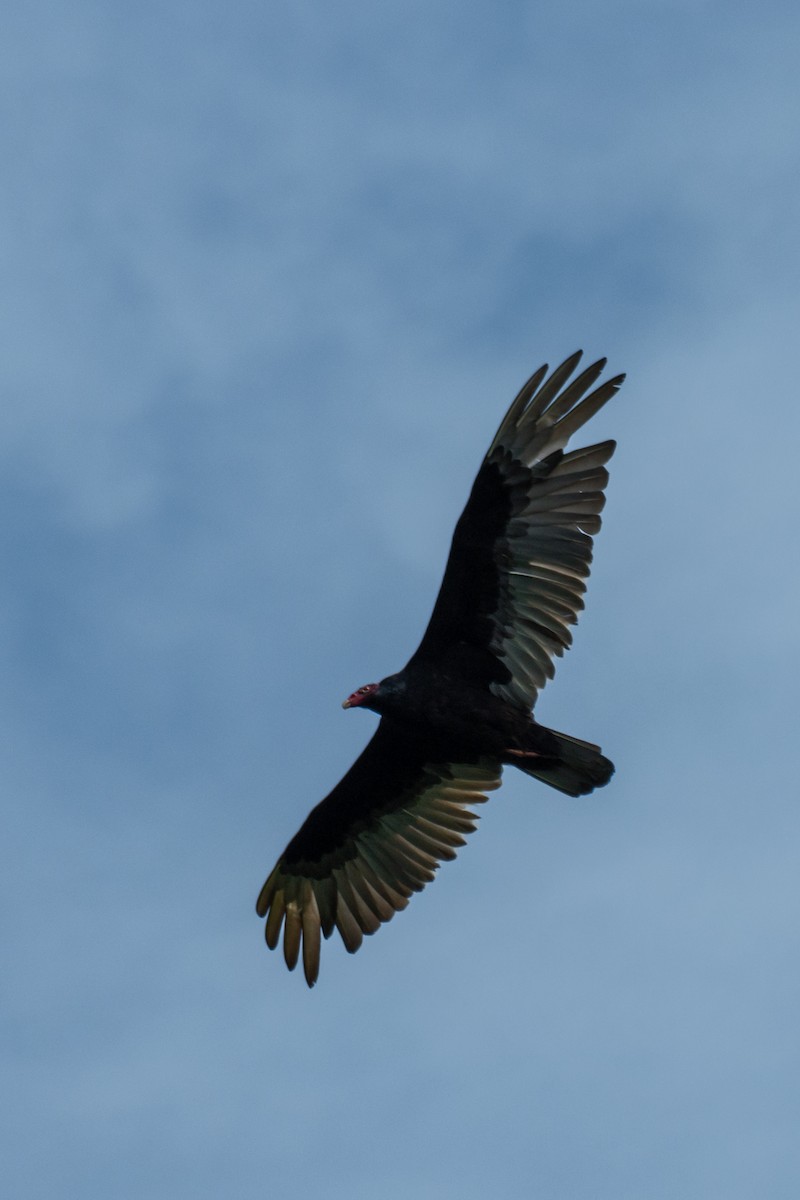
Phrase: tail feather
(571, 765)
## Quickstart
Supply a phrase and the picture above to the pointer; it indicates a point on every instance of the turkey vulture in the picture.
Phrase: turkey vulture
(460, 710)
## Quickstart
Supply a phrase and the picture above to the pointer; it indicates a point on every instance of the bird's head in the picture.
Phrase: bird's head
(364, 696)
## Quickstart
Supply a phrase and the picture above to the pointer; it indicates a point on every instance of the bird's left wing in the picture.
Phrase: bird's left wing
(522, 547)
(377, 838)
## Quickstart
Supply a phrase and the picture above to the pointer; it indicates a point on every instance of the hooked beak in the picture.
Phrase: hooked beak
(346, 704)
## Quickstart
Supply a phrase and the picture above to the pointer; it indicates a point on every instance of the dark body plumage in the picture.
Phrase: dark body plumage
(461, 708)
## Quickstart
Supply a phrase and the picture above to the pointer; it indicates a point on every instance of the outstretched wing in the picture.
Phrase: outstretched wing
(377, 838)
(522, 547)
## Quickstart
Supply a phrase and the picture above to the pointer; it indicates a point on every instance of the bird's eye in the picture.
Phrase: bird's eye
(363, 691)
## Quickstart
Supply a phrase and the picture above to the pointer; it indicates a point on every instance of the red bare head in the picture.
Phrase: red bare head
(362, 695)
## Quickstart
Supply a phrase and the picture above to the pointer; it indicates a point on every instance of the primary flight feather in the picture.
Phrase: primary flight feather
(460, 709)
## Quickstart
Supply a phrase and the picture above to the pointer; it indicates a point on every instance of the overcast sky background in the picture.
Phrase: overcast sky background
(271, 274)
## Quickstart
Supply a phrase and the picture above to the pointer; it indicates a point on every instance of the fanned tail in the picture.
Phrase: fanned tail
(571, 765)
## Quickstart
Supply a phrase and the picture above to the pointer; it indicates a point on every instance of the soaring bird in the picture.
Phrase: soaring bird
(460, 710)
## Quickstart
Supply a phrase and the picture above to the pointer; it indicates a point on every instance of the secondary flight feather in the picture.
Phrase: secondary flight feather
(460, 710)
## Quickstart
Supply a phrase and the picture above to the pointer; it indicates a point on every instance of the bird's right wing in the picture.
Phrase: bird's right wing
(522, 547)
(377, 838)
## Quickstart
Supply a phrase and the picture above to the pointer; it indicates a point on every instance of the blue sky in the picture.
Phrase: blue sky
(272, 274)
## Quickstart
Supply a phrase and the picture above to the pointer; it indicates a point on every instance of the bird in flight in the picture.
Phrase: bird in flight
(460, 710)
